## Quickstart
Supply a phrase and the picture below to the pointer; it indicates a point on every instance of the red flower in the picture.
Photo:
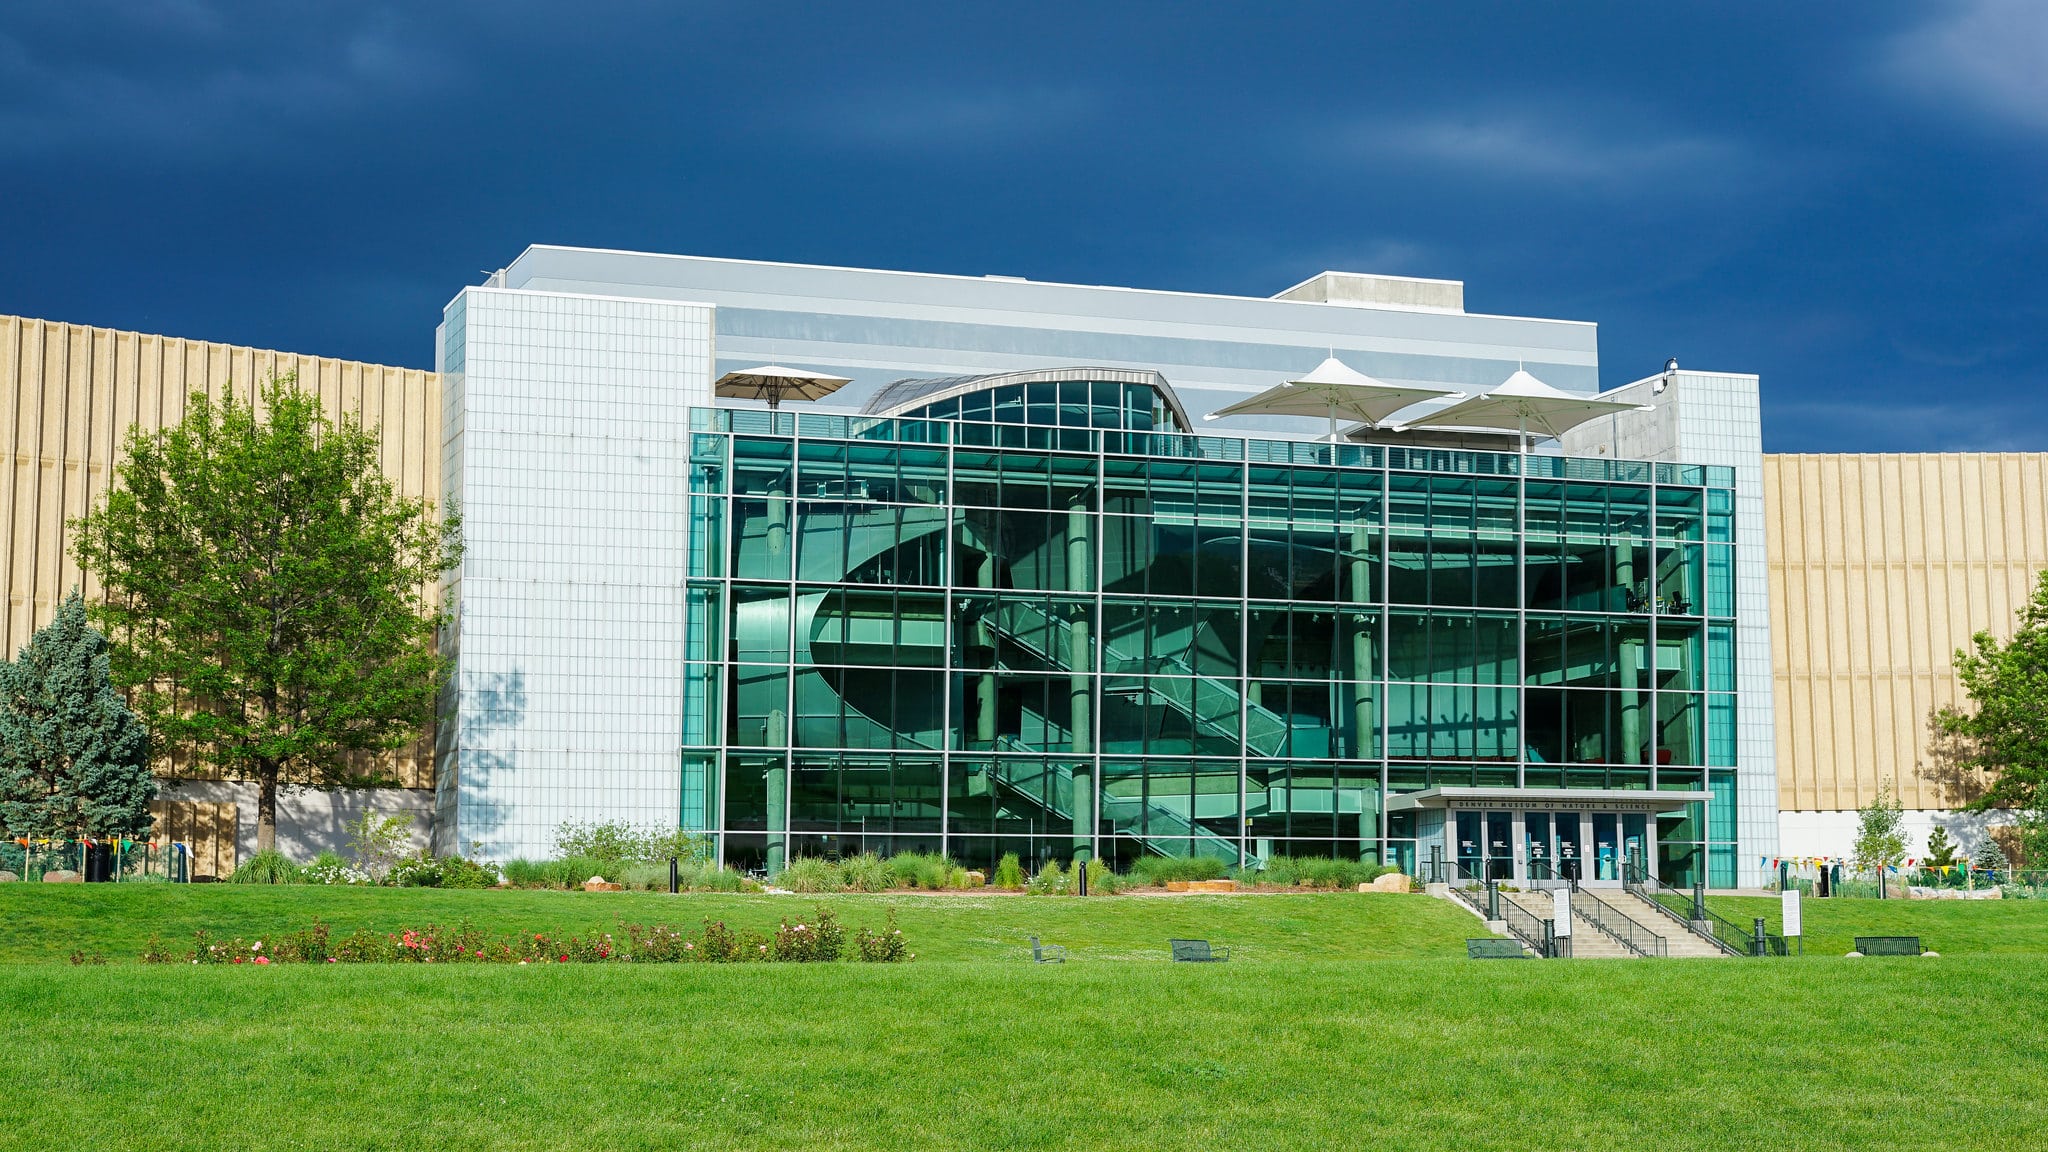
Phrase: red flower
(564, 960)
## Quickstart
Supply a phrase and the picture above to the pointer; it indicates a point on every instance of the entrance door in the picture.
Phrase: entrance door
(1500, 846)
(1536, 846)
(1635, 840)
(1470, 846)
(1607, 855)
(1570, 849)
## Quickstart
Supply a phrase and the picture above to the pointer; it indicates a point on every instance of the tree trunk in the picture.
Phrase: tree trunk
(266, 805)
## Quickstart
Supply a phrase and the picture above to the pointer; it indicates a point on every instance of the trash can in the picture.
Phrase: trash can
(99, 863)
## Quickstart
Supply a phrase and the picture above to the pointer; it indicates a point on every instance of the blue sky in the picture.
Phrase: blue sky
(1846, 199)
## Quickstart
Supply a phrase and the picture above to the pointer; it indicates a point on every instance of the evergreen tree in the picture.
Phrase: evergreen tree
(74, 761)
(1941, 851)
(267, 593)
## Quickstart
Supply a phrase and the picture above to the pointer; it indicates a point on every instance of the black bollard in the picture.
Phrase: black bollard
(674, 877)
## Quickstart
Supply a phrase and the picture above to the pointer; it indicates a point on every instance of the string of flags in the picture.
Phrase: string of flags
(1961, 867)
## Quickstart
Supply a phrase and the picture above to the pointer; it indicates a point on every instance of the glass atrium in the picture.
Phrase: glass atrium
(1036, 614)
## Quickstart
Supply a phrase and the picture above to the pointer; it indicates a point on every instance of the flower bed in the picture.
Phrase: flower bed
(820, 939)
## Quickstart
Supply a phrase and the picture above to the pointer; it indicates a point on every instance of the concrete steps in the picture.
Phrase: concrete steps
(1678, 939)
(1588, 942)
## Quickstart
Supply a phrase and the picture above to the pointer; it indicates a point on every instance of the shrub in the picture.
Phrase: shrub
(270, 867)
(378, 842)
(1050, 881)
(810, 874)
(1009, 872)
(364, 947)
(1158, 870)
(721, 944)
(329, 868)
(865, 873)
(903, 869)
(154, 952)
(816, 941)
(421, 870)
(619, 843)
(457, 872)
(308, 946)
(935, 873)
(885, 947)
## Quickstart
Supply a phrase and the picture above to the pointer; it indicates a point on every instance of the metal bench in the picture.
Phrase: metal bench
(1494, 948)
(1047, 953)
(1197, 952)
(1889, 945)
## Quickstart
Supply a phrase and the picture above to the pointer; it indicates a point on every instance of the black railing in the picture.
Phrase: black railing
(1608, 919)
(1534, 932)
(1538, 933)
(1691, 908)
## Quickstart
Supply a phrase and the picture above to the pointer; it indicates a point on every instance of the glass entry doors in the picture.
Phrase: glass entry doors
(1485, 845)
(1554, 845)
(1534, 846)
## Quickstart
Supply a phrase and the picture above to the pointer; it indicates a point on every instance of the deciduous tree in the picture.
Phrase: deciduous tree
(2004, 732)
(267, 593)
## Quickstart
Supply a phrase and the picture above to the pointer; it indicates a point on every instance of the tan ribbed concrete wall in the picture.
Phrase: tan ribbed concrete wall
(71, 394)
(1881, 566)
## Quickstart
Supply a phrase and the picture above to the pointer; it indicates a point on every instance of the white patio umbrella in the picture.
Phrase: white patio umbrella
(1523, 404)
(1334, 390)
(774, 383)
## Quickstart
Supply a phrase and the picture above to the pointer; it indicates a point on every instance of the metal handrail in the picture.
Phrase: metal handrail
(1538, 933)
(1690, 908)
(1615, 924)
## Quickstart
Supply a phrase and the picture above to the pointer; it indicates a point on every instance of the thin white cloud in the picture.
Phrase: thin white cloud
(216, 97)
(1989, 56)
(951, 118)
(1882, 426)
(1553, 148)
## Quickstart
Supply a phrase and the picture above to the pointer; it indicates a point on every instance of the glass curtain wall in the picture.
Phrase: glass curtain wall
(1091, 638)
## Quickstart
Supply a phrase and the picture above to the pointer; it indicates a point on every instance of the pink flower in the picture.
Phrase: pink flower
(331, 960)
(263, 959)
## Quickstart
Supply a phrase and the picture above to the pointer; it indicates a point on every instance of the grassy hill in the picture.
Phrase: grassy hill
(48, 922)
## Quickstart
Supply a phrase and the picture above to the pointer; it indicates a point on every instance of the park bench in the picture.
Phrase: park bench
(1494, 948)
(1047, 953)
(1197, 951)
(1889, 945)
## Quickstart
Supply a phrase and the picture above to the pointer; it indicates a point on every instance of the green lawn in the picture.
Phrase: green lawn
(1400, 1054)
(1950, 927)
(47, 922)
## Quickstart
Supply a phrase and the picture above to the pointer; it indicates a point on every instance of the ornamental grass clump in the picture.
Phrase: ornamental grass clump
(810, 874)
(271, 867)
(1158, 871)
(1009, 873)
(865, 873)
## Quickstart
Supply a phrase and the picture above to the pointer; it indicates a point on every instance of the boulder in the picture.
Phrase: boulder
(63, 876)
(8, 877)
(975, 879)
(1176, 885)
(600, 884)
(1391, 882)
(1212, 885)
